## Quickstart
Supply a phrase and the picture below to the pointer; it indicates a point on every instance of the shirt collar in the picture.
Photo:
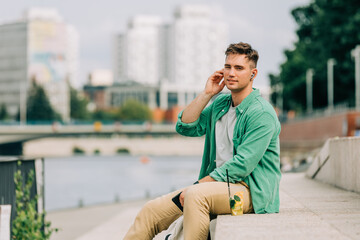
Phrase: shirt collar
(248, 100)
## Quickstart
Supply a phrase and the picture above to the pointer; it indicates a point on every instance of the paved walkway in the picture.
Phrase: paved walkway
(98, 222)
(309, 210)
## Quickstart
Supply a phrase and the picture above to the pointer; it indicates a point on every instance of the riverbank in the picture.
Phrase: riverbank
(155, 146)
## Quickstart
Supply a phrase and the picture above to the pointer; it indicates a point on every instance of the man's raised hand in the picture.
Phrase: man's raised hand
(213, 85)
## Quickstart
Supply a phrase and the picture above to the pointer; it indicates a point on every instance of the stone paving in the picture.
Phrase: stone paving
(96, 222)
(309, 210)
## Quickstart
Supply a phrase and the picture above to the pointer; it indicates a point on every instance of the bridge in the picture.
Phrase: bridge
(13, 136)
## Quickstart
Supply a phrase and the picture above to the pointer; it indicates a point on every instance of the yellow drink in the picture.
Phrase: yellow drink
(237, 204)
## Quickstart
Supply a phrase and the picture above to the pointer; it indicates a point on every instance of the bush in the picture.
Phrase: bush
(78, 150)
(28, 224)
(122, 150)
(133, 110)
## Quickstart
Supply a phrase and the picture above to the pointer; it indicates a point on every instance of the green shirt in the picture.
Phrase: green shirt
(256, 151)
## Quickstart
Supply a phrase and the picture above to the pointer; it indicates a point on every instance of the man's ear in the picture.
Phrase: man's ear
(253, 73)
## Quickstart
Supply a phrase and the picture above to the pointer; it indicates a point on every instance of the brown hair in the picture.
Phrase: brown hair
(243, 48)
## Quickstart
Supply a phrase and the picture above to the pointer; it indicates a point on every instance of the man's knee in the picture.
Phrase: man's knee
(151, 206)
(196, 194)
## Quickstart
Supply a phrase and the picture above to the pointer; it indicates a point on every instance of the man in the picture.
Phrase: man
(241, 135)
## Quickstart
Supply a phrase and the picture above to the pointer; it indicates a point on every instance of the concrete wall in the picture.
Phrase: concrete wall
(338, 163)
(321, 128)
(314, 128)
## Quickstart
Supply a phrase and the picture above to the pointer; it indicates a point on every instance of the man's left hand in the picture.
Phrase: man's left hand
(207, 179)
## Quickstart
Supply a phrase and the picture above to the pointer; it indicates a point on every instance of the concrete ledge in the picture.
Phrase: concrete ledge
(309, 210)
(338, 163)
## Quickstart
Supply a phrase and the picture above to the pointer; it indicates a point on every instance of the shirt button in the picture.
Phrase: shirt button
(222, 110)
(241, 111)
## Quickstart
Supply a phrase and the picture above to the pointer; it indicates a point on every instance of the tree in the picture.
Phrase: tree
(326, 29)
(133, 110)
(38, 105)
(102, 115)
(78, 106)
(3, 112)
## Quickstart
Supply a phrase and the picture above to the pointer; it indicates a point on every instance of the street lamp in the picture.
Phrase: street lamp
(330, 76)
(309, 89)
(355, 53)
(23, 103)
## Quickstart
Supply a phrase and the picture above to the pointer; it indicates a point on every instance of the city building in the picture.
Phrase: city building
(169, 62)
(96, 96)
(99, 81)
(72, 56)
(39, 47)
(198, 40)
(101, 77)
(137, 52)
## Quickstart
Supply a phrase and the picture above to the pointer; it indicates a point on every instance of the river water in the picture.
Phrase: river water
(88, 180)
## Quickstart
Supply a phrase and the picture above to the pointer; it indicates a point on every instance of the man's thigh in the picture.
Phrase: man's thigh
(215, 196)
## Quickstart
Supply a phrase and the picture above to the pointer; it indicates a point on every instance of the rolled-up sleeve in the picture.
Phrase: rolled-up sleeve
(193, 129)
(250, 151)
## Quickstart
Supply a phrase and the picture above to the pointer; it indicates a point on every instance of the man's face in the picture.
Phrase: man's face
(237, 72)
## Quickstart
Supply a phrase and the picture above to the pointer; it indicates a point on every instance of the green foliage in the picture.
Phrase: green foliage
(326, 29)
(38, 105)
(232, 203)
(28, 224)
(122, 150)
(3, 112)
(102, 115)
(237, 198)
(78, 150)
(133, 110)
(97, 151)
(78, 106)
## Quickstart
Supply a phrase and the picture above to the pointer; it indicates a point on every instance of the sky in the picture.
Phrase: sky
(266, 25)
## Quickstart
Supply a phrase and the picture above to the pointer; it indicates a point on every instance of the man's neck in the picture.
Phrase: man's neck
(238, 97)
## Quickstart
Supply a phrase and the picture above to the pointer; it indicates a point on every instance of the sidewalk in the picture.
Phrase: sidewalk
(309, 210)
(97, 222)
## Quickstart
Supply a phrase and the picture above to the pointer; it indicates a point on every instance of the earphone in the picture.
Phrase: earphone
(252, 75)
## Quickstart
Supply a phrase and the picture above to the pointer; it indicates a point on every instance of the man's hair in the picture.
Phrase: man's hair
(243, 48)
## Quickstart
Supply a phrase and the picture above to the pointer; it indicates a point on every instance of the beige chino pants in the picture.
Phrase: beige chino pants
(201, 200)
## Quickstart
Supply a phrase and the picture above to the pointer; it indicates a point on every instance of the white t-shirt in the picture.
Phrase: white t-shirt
(224, 131)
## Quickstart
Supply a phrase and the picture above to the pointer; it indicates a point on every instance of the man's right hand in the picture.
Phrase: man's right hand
(213, 85)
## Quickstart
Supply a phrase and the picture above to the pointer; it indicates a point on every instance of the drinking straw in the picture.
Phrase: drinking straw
(227, 176)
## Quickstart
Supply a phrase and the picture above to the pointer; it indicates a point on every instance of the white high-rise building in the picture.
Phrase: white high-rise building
(137, 51)
(72, 56)
(177, 57)
(198, 43)
(39, 47)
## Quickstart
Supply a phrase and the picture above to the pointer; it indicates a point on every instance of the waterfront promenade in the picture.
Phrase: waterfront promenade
(109, 221)
(309, 210)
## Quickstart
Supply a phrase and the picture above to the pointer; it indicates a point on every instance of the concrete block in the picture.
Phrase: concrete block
(319, 160)
(338, 163)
